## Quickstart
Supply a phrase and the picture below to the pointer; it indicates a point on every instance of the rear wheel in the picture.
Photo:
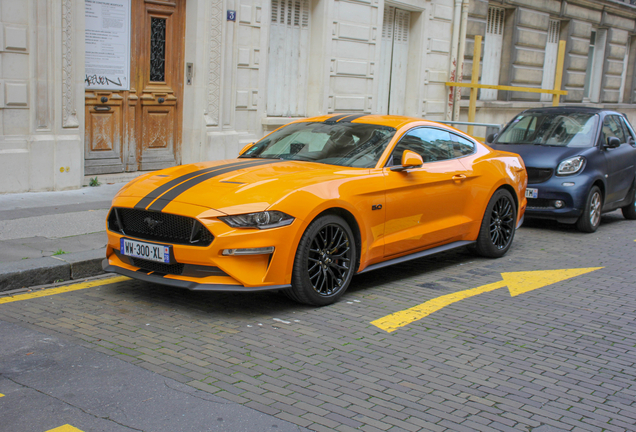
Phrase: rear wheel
(591, 217)
(497, 227)
(629, 211)
(324, 262)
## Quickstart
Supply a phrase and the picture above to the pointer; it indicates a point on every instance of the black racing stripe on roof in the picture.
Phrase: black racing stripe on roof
(336, 118)
(351, 118)
(148, 199)
(166, 198)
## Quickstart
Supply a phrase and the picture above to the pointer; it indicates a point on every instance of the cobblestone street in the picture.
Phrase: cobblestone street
(561, 357)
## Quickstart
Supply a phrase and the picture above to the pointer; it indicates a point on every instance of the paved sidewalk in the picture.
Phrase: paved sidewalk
(54, 236)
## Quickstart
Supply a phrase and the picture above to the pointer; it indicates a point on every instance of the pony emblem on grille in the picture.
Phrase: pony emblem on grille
(152, 223)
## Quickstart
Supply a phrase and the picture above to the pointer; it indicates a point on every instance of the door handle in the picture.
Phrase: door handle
(459, 177)
(161, 100)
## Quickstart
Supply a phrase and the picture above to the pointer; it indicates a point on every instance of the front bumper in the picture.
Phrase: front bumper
(205, 267)
(191, 285)
(574, 198)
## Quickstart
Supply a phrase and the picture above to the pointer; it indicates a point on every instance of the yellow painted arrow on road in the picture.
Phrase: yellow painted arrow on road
(517, 283)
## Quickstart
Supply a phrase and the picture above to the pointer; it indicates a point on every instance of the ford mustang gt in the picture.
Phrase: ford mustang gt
(314, 203)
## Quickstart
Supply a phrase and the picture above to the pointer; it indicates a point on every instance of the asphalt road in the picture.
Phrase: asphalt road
(483, 345)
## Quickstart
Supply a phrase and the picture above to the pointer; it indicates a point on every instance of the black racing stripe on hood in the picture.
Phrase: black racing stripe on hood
(148, 199)
(334, 119)
(164, 200)
(351, 118)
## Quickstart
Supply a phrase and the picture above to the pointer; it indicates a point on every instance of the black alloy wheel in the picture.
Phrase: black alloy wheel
(497, 227)
(502, 223)
(325, 262)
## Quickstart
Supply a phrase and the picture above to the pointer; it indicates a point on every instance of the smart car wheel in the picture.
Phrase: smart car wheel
(324, 262)
(591, 218)
(629, 211)
(498, 226)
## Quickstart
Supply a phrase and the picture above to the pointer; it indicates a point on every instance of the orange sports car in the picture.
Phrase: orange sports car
(315, 202)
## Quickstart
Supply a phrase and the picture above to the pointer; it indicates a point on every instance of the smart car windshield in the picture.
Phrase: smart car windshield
(576, 129)
(346, 144)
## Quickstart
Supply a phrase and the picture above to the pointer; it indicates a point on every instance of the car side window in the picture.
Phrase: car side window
(628, 131)
(463, 146)
(432, 144)
(612, 128)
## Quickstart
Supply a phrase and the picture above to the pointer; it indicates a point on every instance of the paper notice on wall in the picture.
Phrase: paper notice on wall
(107, 41)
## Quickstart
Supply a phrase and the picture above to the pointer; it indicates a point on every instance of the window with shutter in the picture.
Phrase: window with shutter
(393, 61)
(549, 64)
(288, 58)
(493, 43)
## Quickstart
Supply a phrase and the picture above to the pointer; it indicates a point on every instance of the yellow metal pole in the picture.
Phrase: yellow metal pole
(474, 79)
(558, 77)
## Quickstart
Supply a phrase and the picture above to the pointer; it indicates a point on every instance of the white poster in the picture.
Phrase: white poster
(107, 37)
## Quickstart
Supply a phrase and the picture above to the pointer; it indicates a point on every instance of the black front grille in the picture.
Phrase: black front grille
(163, 227)
(539, 203)
(174, 269)
(538, 175)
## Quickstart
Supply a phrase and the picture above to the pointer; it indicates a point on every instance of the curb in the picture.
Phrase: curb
(46, 270)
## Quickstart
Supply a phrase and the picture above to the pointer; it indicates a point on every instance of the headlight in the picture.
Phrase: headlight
(571, 165)
(260, 220)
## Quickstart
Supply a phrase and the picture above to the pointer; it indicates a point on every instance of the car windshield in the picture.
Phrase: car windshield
(574, 129)
(346, 144)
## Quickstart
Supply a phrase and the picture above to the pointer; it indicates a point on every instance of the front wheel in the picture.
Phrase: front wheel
(324, 262)
(590, 220)
(497, 227)
(629, 211)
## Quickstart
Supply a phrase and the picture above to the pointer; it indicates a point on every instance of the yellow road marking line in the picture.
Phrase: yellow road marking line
(1, 395)
(60, 290)
(400, 319)
(65, 428)
(517, 283)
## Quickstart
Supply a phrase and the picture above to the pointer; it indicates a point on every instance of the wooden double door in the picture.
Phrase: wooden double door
(140, 128)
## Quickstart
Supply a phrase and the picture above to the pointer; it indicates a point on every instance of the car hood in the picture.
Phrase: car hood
(230, 186)
(539, 156)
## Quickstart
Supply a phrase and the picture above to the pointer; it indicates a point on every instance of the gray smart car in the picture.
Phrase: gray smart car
(580, 161)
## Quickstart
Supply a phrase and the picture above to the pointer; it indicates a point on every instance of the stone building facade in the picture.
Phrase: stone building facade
(207, 77)
(599, 60)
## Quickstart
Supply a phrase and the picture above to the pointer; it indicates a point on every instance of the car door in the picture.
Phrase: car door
(424, 205)
(619, 161)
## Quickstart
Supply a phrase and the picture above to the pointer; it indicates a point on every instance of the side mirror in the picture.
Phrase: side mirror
(409, 160)
(246, 148)
(491, 138)
(613, 142)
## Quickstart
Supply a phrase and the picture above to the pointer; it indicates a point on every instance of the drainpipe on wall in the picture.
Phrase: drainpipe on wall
(460, 59)
(452, 70)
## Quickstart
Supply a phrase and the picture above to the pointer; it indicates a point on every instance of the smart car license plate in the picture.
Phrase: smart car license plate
(147, 251)
(532, 193)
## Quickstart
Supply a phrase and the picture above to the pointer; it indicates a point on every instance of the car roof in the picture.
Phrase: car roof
(569, 109)
(383, 120)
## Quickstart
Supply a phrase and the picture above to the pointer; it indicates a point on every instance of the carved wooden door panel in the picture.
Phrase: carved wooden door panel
(159, 81)
(104, 132)
(140, 129)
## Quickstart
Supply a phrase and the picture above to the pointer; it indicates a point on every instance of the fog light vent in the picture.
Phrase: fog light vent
(559, 204)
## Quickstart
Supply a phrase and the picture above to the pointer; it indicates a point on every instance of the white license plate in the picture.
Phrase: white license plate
(532, 193)
(147, 251)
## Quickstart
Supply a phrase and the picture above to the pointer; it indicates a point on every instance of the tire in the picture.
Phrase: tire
(497, 227)
(590, 220)
(324, 263)
(629, 211)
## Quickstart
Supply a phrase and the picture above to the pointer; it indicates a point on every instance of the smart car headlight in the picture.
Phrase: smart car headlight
(260, 220)
(571, 165)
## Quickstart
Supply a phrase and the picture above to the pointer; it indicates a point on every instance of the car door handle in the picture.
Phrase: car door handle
(459, 177)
